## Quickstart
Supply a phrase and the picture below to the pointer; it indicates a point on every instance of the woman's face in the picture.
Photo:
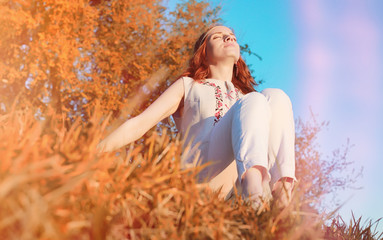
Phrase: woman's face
(221, 45)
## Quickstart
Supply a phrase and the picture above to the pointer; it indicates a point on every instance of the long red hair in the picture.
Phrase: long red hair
(199, 70)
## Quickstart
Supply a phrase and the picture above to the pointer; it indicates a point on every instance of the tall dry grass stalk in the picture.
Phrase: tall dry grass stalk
(54, 185)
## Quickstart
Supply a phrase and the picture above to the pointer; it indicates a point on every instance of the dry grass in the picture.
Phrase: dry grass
(356, 230)
(54, 185)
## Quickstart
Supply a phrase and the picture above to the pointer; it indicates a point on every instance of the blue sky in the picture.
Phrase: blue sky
(328, 57)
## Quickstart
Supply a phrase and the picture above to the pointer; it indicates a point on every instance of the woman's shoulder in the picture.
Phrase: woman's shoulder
(191, 84)
(186, 81)
(202, 81)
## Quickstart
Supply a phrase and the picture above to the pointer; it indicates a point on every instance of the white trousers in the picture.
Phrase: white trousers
(258, 130)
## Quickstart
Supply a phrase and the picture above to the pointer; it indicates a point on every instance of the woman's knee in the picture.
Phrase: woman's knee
(276, 95)
(254, 105)
(255, 98)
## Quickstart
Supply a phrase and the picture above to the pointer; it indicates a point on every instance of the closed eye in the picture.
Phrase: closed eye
(221, 35)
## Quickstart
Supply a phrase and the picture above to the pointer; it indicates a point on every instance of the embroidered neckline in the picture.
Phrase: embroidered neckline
(219, 98)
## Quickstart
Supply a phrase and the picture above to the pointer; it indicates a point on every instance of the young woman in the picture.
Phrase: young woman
(246, 136)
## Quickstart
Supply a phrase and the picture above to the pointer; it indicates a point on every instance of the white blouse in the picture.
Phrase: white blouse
(205, 103)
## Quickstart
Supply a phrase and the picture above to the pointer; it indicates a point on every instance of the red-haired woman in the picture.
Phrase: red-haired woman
(247, 136)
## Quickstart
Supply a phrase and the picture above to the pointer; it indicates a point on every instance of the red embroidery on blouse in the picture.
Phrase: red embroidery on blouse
(219, 99)
(228, 95)
(236, 94)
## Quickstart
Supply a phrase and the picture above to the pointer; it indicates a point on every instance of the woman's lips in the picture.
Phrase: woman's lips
(229, 45)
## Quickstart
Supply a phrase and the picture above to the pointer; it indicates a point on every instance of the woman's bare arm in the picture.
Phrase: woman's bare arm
(136, 127)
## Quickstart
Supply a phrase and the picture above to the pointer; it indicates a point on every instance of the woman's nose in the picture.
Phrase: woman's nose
(228, 38)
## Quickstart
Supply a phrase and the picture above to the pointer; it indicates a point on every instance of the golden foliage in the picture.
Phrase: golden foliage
(324, 175)
(54, 185)
(67, 54)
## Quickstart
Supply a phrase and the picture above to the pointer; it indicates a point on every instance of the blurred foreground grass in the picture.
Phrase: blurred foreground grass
(54, 185)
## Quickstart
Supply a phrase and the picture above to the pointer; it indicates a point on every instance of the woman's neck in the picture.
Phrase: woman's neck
(222, 71)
